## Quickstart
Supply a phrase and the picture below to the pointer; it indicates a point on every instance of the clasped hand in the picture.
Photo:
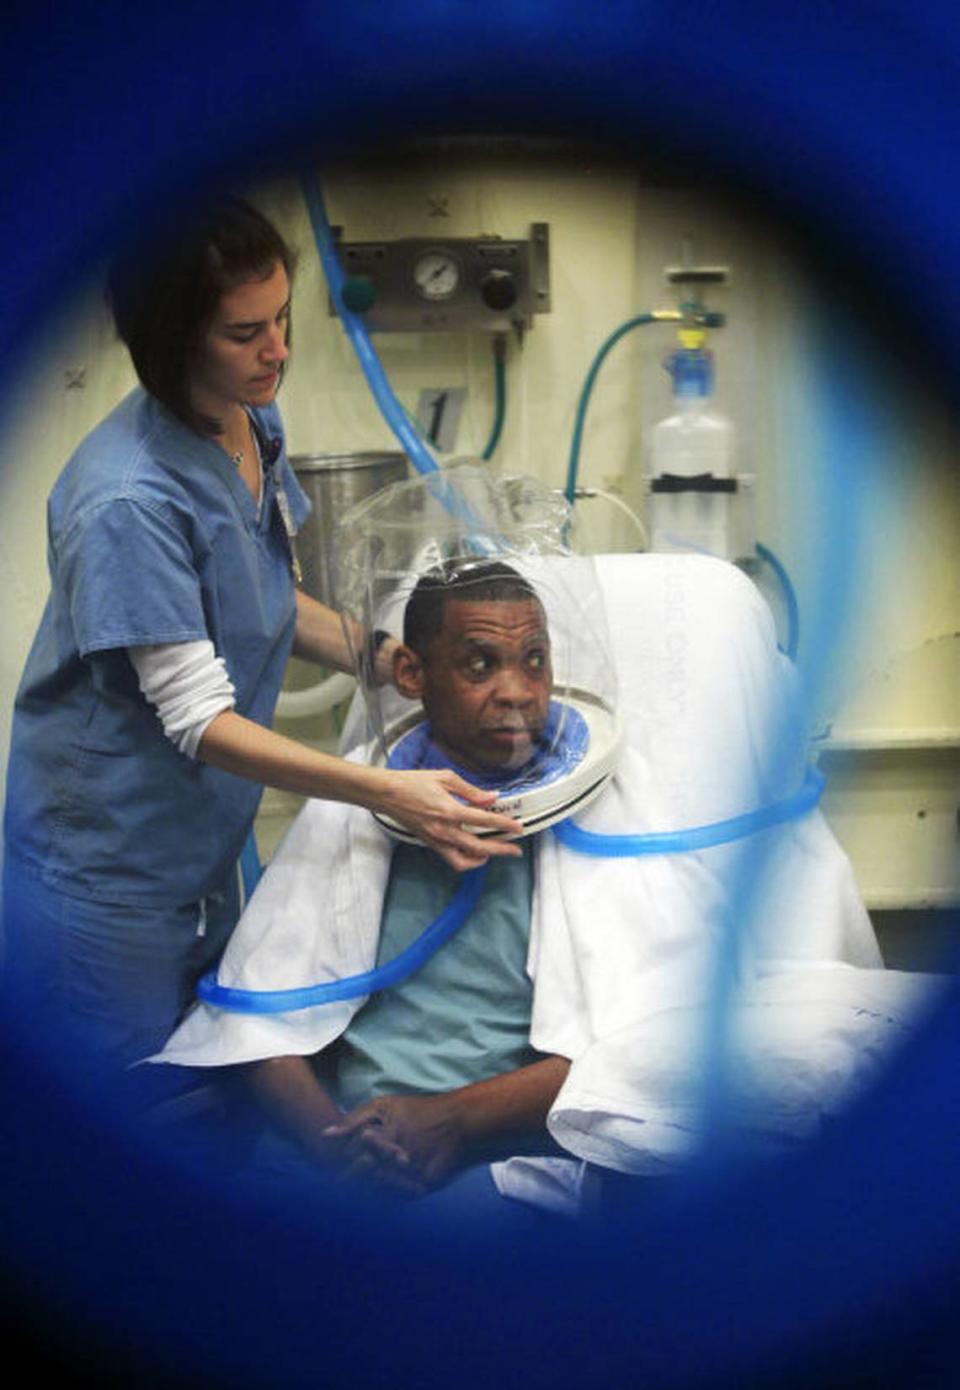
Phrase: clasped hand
(405, 1144)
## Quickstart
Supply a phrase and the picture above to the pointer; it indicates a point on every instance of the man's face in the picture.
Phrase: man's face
(485, 681)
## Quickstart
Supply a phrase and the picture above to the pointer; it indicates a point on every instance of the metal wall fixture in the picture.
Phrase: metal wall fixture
(448, 284)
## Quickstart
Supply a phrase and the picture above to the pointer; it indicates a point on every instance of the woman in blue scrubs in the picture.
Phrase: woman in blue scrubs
(141, 734)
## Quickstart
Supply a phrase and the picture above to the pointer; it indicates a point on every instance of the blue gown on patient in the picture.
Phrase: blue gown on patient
(559, 749)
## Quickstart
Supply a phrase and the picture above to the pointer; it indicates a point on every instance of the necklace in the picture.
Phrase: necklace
(237, 458)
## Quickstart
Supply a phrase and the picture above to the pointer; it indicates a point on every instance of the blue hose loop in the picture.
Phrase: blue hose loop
(696, 837)
(393, 412)
(452, 918)
(408, 437)
(790, 598)
(275, 1001)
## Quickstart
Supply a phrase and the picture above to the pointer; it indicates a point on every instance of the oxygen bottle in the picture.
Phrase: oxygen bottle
(692, 455)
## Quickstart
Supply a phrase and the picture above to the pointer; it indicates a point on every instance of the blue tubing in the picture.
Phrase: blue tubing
(790, 598)
(452, 918)
(275, 1001)
(697, 837)
(410, 440)
(391, 409)
(250, 867)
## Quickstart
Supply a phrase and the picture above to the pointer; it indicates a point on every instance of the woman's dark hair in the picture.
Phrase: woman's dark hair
(162, 303)
(477, 581)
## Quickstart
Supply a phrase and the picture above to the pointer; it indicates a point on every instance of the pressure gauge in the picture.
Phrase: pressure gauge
(436, 274)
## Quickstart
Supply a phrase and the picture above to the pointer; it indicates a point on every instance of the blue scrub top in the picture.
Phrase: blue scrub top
(152, 537)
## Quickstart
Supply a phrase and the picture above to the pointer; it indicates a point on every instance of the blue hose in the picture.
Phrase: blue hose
(391, 409)
(275, 1001)
(452, 918)
(697, 837)
(410, 440)
(790, 598)
(393, 412)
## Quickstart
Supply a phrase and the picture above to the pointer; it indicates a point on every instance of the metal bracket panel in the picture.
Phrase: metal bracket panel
(449, 284)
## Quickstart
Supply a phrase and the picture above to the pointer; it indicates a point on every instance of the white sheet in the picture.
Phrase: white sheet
(802, 1042)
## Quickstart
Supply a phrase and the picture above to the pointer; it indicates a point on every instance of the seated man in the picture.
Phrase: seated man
(463, 1061)
(438, 1073)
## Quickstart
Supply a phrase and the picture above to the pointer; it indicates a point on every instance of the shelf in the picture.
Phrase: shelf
(878, 740)
(911, 703)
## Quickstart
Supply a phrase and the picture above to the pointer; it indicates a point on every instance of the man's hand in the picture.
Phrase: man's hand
(410, 1144)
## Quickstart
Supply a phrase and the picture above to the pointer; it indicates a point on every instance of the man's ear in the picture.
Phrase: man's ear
(408, 672)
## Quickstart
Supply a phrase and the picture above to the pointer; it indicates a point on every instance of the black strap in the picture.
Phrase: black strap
(698, 482)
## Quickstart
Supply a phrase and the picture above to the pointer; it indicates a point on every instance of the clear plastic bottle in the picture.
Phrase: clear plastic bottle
(693, 442)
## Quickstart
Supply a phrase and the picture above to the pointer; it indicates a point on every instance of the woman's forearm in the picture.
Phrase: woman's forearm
(241, 746)
(438, 807)
(319, 635)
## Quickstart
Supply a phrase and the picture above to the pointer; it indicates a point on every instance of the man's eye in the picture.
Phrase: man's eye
(478, 665)
(537, 660)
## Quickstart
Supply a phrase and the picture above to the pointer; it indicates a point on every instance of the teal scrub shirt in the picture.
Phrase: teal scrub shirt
(462, 1017)
(153, 537)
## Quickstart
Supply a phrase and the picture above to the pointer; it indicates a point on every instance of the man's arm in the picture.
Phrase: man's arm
(438, 1134)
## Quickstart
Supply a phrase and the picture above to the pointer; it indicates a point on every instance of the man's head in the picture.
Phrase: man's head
(476, 653)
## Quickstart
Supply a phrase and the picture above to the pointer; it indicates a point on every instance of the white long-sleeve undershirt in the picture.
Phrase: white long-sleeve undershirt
(188, 685)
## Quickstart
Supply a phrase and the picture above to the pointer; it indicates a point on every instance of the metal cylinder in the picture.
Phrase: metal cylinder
(335, 483)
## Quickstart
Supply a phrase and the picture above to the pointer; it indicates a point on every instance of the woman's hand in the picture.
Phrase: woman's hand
(443, 810)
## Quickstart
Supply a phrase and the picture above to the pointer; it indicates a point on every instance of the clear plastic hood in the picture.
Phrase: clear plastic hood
(504, 671)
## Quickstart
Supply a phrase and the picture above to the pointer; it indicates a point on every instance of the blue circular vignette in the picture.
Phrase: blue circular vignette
(837, 1268)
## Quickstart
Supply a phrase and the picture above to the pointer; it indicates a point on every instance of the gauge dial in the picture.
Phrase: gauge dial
(436, 274)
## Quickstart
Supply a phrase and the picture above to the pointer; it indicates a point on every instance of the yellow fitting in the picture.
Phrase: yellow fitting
(667, 315)
(691, 337)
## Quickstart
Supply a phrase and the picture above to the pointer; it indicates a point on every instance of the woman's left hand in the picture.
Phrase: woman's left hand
(444, 811)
